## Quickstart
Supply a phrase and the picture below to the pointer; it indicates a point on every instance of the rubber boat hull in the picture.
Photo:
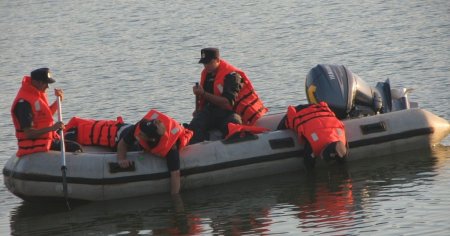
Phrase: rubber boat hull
(89, 176)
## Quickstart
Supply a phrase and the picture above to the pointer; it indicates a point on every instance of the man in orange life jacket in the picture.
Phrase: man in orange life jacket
(225, 95)
(320, 130)
(159, 135)
(33, 116)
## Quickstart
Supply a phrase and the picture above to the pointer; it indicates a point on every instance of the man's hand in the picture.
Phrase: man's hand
(59, 93)
(59, 125)
(198, 90)
(32, 133)
(124, 163)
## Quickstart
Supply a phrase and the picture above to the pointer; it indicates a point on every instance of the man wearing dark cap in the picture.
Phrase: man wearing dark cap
(33, 116)
(224, 95)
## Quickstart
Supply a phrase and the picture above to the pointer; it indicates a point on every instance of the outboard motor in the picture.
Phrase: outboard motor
(345, 92)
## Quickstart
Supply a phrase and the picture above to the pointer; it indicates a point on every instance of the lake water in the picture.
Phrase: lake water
(125, 57)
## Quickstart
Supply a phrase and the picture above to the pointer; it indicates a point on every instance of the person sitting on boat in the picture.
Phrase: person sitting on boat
(224, 95)
(322, 133)
(33, 116)
(159, 135)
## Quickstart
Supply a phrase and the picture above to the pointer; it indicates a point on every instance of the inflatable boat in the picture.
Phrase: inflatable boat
(379, 121)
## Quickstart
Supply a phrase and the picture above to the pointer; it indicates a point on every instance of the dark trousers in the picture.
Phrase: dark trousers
(70, 146)
(212, 118)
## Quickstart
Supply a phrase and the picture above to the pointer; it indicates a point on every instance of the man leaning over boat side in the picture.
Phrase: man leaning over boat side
(224, 95)
(33, 116)
(321, 132)
(159, 135)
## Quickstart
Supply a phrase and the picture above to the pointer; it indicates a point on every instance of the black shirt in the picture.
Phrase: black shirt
(131, 141)
(24, 114)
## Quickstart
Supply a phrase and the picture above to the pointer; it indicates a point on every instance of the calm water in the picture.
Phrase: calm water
(125, 57)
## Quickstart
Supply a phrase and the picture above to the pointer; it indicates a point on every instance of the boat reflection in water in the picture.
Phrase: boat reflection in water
(331, 199)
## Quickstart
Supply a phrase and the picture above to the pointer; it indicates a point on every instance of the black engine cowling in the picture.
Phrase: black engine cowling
(344, 91)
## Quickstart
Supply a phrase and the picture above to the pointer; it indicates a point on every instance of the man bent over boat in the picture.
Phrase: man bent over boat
(322, 133)
(159, 135)
(33, 116)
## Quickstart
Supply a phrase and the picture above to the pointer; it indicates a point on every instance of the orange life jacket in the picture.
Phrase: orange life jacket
(247, 104)
(95, 132)
(174, 132)
(42, 118)
(318, 124)
(237, 128)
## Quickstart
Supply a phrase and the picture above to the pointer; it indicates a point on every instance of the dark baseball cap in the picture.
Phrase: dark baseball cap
(43, 75)
(151, 129)
(207, 54)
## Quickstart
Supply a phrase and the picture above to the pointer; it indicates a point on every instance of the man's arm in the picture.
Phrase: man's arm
(219, 101)
(231, 88)
(122, 147)
(36, 133)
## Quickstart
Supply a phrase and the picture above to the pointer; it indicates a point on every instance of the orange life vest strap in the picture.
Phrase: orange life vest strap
(238, 128)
